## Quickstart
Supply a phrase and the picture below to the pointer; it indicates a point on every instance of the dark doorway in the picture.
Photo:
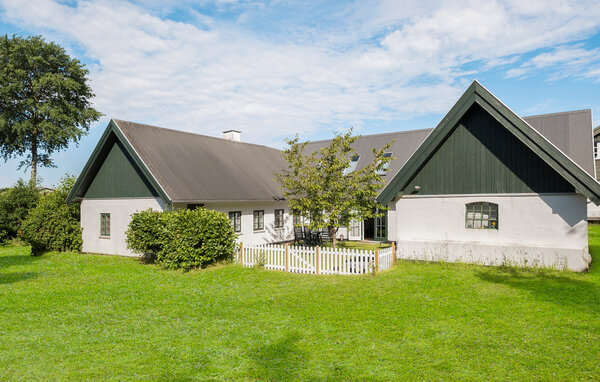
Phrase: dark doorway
(369, 226)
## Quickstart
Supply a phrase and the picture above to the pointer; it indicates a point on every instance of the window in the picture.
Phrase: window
(381, 227)
(194, 206)
(278, 218)
(481, 215)
(235, 217)
(104, 224)
(354, 229)
(385, 166)
(259, 220)
(353, 164)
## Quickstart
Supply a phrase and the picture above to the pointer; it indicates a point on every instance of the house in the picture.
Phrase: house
(484, 186)
(135, 167)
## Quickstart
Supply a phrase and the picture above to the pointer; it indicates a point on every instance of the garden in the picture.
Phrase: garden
(71, 316)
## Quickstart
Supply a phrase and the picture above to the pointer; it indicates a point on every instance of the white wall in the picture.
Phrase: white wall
(593, 211)
(544, 230)
(120, 211)
(248, 236)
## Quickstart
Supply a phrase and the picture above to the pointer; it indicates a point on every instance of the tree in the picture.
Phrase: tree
(44, 100)
(318, 189)
(15, 203)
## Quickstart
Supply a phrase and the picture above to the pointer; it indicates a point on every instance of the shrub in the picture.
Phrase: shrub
(182, 239)
(15, 203)
(53, 225)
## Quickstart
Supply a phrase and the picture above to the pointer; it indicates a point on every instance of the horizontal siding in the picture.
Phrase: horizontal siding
(119, 177)
(481, 156)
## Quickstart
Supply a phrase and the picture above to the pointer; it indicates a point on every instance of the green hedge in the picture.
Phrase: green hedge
(182, 239)
(52, 225)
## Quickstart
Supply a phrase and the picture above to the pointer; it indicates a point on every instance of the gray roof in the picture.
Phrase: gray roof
(192, 167)
(570, 132)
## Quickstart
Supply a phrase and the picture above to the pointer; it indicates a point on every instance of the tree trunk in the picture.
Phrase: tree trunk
(34, 160)
(332, 235)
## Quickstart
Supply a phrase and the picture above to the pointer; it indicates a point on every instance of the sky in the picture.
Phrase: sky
(273, 69)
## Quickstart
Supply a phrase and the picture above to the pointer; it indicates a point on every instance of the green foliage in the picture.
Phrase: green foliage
(53, 225)
(182, 239)
(15, 203)
(44, 100)
(317, 188)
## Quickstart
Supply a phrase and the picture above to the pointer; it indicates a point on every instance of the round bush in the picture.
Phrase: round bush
(182, 239)
(53, 225)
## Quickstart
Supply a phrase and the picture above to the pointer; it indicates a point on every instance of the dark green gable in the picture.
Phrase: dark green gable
(114, 170)
(480, 156)
(119, 177)
(481, 146)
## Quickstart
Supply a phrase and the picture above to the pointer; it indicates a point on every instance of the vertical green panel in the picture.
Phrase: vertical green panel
(482, 156)
(119, 177)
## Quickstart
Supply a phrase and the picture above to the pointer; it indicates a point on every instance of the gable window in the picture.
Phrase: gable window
(385, 166)
(105, 224)
(352, 165)
(235, 217)
(481, 215)
(259, 220)
(278, 218)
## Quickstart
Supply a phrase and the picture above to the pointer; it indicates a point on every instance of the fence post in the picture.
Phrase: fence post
(376, 260)
(317, 260)
(242, 253)
(287, 257)
(393, 252)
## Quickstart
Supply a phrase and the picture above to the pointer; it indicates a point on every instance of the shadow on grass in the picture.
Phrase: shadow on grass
(11, 278)
(548, 286)
(14, 260)
(281, 360)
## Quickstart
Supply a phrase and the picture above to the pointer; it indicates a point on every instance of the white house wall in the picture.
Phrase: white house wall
(540, 230)
(120, 211)
(269, 234)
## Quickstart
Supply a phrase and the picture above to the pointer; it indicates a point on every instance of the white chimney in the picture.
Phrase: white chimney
(232, 135)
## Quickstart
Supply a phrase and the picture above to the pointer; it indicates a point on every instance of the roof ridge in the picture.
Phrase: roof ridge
(188, 132)
(557, 113)
(380, 134)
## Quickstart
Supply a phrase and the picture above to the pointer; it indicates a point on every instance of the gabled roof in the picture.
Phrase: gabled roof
(569, 131)
(186, 167)
(534, 140)
(404, 144)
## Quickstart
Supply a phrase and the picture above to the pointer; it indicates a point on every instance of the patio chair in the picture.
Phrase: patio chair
(298, 235)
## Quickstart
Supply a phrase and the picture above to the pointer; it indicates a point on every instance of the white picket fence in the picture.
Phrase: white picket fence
(315, 260)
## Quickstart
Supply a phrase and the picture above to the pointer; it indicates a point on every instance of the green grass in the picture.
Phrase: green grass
(359, 245)
(71, 317)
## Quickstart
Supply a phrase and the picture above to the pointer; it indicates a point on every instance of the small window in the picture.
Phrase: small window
(481, 215)
(278, 218)
(236, 220)
(194, 206)
(352, 165)
(385, 166)
(104, 224)
(297, 221)
(259, 220)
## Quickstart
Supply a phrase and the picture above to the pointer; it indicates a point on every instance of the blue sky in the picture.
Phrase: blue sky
(276, 68)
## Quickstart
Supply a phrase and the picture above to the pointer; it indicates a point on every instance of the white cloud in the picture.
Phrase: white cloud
(384, 62)
(566, 61)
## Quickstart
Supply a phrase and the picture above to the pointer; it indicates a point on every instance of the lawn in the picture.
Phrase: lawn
(67, 316)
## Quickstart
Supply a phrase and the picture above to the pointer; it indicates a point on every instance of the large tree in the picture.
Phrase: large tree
(319, 188)
(44, 100)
